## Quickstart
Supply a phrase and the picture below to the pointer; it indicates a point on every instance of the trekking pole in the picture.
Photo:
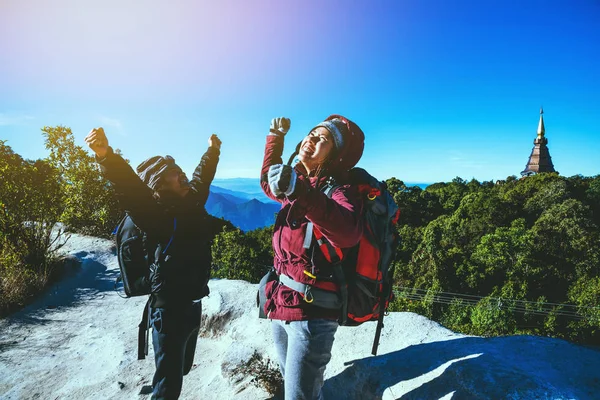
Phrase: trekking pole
(147, 341)
(338, 274)
(385, 295)
(379, 323)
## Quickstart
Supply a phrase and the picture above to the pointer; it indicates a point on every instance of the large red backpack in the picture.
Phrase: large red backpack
(364, 274)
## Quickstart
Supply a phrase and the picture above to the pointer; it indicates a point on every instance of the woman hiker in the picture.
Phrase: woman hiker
(303, 301)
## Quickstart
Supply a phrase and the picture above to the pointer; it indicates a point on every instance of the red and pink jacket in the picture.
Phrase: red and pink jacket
(337, 216)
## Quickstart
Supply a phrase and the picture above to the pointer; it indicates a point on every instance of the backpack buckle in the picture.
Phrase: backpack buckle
(373, 193)
(308, 297)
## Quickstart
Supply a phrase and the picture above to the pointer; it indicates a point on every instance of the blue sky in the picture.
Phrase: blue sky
(441, 88)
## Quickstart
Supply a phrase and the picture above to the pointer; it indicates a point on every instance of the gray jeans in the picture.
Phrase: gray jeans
(304, 349)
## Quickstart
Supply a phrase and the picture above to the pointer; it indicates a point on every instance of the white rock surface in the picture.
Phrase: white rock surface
(79, 341)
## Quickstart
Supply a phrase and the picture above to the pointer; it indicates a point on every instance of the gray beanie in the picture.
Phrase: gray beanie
(337, 128)
(153, 169)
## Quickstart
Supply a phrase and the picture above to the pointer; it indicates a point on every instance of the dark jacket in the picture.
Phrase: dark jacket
(339, 218)
(182, 221)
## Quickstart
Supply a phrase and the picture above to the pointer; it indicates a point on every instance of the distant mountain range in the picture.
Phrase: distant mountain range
(251, 186)
(242, 202)
(242, 209)
(244, 188)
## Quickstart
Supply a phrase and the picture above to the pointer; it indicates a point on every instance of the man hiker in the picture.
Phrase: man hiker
(170, 211)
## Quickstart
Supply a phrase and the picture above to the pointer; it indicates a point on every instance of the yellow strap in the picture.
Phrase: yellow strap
(309, 274)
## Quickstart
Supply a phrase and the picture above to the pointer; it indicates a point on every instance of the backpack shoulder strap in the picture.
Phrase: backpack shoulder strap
(328, 190)
(172, 236)
(308, 236)
(119, 229)
(160, 252)
(330, 186)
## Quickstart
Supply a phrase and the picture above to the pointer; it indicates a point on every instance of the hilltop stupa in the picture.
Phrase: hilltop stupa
(539, 160)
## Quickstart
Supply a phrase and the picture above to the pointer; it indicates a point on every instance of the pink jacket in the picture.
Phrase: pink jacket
(339, 218)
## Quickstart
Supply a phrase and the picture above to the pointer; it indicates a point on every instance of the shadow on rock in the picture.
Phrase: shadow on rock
(471, 367)
(86, 281)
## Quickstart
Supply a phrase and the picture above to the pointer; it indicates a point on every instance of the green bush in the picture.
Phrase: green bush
(90, 206)
(585, 294)
(490, 318)
(533, 242)
(17, 281)
(238, 255)
(457, 316)
(30, 206)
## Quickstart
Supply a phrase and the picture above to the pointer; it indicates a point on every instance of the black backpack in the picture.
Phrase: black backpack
(133, 257)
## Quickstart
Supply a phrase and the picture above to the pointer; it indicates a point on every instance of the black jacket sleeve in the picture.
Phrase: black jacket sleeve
(134, 196)
(204, 175)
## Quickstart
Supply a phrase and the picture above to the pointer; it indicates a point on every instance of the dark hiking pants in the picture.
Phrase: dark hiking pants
(174, 336)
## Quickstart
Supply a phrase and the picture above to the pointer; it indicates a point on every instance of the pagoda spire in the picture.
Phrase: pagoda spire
(541, 128)
(539, 160)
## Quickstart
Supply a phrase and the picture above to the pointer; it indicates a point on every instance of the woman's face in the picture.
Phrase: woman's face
(315, 148)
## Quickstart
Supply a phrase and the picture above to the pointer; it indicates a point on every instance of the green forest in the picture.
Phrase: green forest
(517, 256)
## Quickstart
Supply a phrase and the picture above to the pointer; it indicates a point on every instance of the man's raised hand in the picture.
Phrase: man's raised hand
(98, 142)
(214, 141)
